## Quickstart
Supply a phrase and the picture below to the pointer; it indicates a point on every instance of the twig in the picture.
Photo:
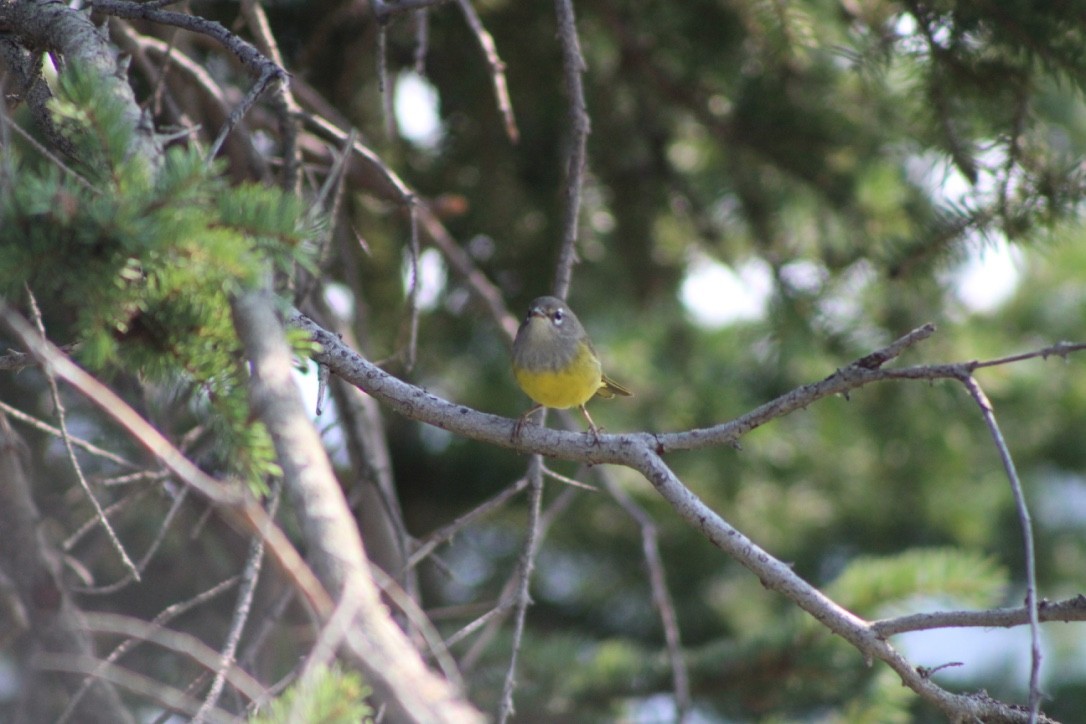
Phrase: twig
(1072, 609)
(53, 158)
(383, 86)
(573, 66)
(333, 188)
(1060, 349)
(503, 606)
(422, 39)
(386, 11)
(182, 643)
(194, 686)
(163, 618)
(480, 285)
(77, 441)
(88, 525)
(446, 532)
(264, 627)
(568, 480)
(986, 410)
(397, 190)
(524, 578)
(144, 476)
(413, 289)
(259, 86)
(508, 599)
(286, 107)
(58, 405)
(414, 613)
(249, 578)
(158, 90)
(160, 536)
(496, 66)
(145, 686)
(331, 636)
(661, 595)
(259, 65)
(1014, 151)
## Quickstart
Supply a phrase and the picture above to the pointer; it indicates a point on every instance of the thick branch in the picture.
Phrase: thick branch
(49, 25)
(391, 664)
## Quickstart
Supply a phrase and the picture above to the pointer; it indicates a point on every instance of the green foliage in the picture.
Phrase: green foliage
(328, 696)
(857, 154)
(139, 268)
(870, 585)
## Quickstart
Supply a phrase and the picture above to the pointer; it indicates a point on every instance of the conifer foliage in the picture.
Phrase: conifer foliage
(836, 250)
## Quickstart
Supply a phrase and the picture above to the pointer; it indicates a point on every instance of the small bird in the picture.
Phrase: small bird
(555, 364)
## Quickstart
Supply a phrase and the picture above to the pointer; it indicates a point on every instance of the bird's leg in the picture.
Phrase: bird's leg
(591, 426)
(519, 424)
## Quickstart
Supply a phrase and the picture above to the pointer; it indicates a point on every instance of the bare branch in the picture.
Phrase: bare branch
(1027, 541)
(78, 442)
(236, 506)
(227, 659)
(286, 107)
(167, 696)
(1072, 609)
(55, 624)
(780, 577)
(160, 536)
(391, 665)
(255, 61)
(661, 595)
(182, 643)
(58, 406)
(641, 452)
(164, 617)
(446, 532)
(524, 578)
(496, 66)
(573, 66)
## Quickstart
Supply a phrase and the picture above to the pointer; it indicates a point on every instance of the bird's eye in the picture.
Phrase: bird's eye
(558, 316)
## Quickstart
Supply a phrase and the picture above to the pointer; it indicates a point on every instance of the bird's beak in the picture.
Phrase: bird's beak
(537, 312)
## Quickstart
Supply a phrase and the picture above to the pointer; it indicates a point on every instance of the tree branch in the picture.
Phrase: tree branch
(389, 661)
(986, 410)
(44, 24)
(573, 66)
(641, 451)
(56, 626)
(1071, 609)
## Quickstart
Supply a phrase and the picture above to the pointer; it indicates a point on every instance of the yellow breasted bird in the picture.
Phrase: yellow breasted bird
(555, 364)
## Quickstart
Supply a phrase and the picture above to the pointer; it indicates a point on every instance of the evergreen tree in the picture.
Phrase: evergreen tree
(771, 193)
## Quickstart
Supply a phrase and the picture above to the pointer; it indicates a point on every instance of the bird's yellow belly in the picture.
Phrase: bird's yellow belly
(569, 387)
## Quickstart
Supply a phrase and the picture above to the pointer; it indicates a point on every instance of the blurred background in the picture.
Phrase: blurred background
(773, 190)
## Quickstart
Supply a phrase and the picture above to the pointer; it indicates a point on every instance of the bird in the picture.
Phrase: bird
(555, 363)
